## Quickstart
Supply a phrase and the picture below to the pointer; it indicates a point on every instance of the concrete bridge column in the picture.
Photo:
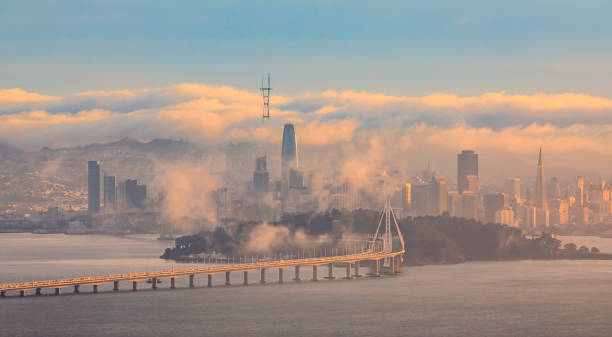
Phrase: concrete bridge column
(227, 279)
(263, 276)
(330, 271)
(280, 275)
(134, 285)
(57, 291)
(3, 293)
(76, 289)
(172, 283)
(21, 293)
(348, 271)
(154, 283)
(246, 278)
(95, 288)
(398, 261)
(210, 284)
(315, 277)
(392, 265)
(191, 283)
(357, 275)
(38, 291)
(116, 286)
(297, 274)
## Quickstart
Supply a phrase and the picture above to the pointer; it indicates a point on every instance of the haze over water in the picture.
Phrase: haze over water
(529, 298)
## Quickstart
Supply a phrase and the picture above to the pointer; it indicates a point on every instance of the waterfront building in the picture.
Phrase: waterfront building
(419, 194)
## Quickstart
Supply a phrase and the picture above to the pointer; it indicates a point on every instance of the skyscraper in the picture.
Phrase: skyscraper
(261, 177)
(438, 195)
(494, 202)
(93, 186)
(541, 202)
(289, 154)
(110, 194)
(580, 191)
(512, 187)
(467, 164)
(136, 194)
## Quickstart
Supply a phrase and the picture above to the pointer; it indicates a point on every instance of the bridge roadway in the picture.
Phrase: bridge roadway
(350, 260)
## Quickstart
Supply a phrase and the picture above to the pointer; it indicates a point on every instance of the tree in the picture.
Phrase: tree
(594, 250)
(583, 250)
(570, 247)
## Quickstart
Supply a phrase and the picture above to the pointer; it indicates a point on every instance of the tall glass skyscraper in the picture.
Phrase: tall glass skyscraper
(467, 165)
(93, 186)
(289, 154)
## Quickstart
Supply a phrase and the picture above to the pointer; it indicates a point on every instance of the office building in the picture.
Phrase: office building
(540, 199)
(110, 194)
(438, 196)
(467, 164)
(93, 186)
(512, 188)
(261, 176)
(494, 202)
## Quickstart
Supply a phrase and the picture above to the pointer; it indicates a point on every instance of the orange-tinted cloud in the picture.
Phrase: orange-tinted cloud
(17, 96)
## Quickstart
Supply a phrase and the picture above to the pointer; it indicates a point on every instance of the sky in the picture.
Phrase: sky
(399, 81)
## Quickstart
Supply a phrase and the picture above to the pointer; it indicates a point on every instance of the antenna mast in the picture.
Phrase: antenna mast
(265, 93)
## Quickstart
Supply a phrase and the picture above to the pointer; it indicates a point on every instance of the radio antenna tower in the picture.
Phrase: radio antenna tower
(265, 93)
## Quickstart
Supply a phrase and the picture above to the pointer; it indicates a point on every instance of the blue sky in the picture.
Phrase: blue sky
(397, 47)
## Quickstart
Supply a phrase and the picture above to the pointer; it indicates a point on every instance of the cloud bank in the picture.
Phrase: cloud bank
(380, 127)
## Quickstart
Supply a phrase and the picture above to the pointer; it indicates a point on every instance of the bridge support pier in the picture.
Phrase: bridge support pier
(227, 279)
(357, 275)
(21, 293)
(116, 286)
(38, 292)
(315, 277)
(399, 261)
(280, 275)
(348, 271)
(263, 276)
(57, 291)
(76, 289)
(330, 271)
(191, 283)
(3, 293)
(392, 265)
(95, 288)
(297, 274)
(375, 269)
(246, 278)
(134, 285)
(154, 283)
(172, 283)
(210, 284)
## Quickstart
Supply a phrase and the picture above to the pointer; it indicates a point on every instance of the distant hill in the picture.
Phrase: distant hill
(6, 149)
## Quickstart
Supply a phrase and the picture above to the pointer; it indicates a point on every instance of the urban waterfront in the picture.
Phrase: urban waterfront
(543, 298)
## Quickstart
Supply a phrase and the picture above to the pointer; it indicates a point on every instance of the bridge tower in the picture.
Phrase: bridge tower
(387, 236)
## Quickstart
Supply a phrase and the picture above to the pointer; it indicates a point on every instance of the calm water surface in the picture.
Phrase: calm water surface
(523, 298)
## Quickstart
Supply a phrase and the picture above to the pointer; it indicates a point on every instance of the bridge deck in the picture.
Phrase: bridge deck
(93, 280)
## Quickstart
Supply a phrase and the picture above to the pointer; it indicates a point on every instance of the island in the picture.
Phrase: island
(428, 240)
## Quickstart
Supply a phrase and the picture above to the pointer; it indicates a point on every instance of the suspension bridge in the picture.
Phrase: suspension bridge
(380, 257)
